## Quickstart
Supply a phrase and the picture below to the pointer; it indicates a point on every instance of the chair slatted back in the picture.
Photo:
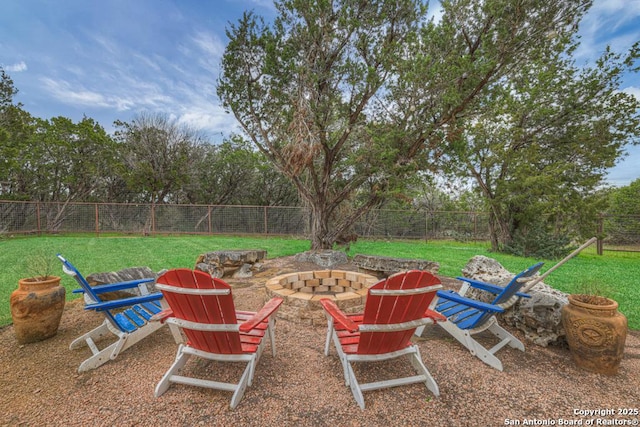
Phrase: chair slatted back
(69, 269)
(203, 309)
(516, 283)
(397, 307)
(72, 271)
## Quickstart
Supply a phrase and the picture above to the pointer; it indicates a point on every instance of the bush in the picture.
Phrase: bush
(538, 243)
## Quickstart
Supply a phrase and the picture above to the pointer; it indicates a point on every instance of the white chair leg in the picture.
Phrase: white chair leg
(487, 357)
(329, 335)
(99, 358)
(465, 338)
(245, 381)
(271, 330)
(95, 334)
(416, 362)
(503, 334)
(165, 382)
(353, 383)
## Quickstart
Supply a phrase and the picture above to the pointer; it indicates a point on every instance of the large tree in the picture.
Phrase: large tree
(13, 124)
(158, 155)
(543, 143)
(349, 98)
(7, 90)
(56, 160)
(235, 173)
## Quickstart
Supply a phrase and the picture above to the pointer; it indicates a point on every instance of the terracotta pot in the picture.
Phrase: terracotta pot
(36, 308)
(596, 332)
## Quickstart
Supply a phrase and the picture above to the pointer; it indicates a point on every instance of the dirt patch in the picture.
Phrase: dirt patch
(40, 385)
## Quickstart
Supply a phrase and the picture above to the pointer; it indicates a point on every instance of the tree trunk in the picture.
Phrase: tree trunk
(499, 231)
(320, 233)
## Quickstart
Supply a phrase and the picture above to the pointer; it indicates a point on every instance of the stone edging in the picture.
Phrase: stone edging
(302, 292)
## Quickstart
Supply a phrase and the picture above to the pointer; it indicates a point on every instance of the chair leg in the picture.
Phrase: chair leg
(176, 334)
(329, 335)
(245, 380)
(93, 335)
(418, 365)
(99, 358)
(343, 359)
(353, 383)
(271, 330)
(165, 382)
(465, 338)
(503, 335)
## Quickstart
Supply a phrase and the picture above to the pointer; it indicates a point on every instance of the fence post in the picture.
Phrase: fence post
(426, 226)
(209, 219)
(265, 221)
(600, 233)
(97, 221)
(475, 226)
(153, 218)
(38, 218)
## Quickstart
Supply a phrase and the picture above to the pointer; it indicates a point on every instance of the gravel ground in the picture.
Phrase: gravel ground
(39, 384)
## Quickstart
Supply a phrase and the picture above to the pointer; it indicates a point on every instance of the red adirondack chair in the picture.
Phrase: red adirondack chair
(202, 307)
(395, 307)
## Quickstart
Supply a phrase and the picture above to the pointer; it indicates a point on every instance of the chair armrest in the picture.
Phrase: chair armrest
(99, 289)
(269, 308)
(338, 316)
(452, 296)
(162, 316)
(494, 289)
(435, 316)
(123, 302)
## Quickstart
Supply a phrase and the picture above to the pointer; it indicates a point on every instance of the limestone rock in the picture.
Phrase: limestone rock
(323, 258)
(243, 272)
(214, 270)
(539, 317)
(383, 266)
(487, 270)
(124, 275)
(227, 263)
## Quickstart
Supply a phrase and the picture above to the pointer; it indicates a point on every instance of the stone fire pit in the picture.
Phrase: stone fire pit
(302, 292)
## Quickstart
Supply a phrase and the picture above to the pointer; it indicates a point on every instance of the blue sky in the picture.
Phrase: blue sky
(112, 59)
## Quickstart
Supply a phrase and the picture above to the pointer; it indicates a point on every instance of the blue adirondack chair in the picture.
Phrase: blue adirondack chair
(126, 318)
(467, 317)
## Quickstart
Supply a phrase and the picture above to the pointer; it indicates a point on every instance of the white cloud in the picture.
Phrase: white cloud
(209, 43)
(64, 92)
(212, 120)
(16, 68)
(632, 90)
(131, 96)
(106, 45)
(601, 24)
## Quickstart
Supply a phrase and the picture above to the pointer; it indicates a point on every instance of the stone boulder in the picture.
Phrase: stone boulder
(323, 258)
(124, 275)
(233, 263)
(538, 317)
(383, 266)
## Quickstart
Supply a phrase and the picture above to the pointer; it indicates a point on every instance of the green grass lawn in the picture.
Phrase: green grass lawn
(615, 273)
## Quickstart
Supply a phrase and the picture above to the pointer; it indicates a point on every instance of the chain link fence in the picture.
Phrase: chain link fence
(619, 232)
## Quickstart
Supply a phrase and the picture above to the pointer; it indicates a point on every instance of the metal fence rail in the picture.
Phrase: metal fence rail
(615, 231)
(38, 217)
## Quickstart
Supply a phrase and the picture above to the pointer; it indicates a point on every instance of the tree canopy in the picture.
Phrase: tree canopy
(350, 99)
